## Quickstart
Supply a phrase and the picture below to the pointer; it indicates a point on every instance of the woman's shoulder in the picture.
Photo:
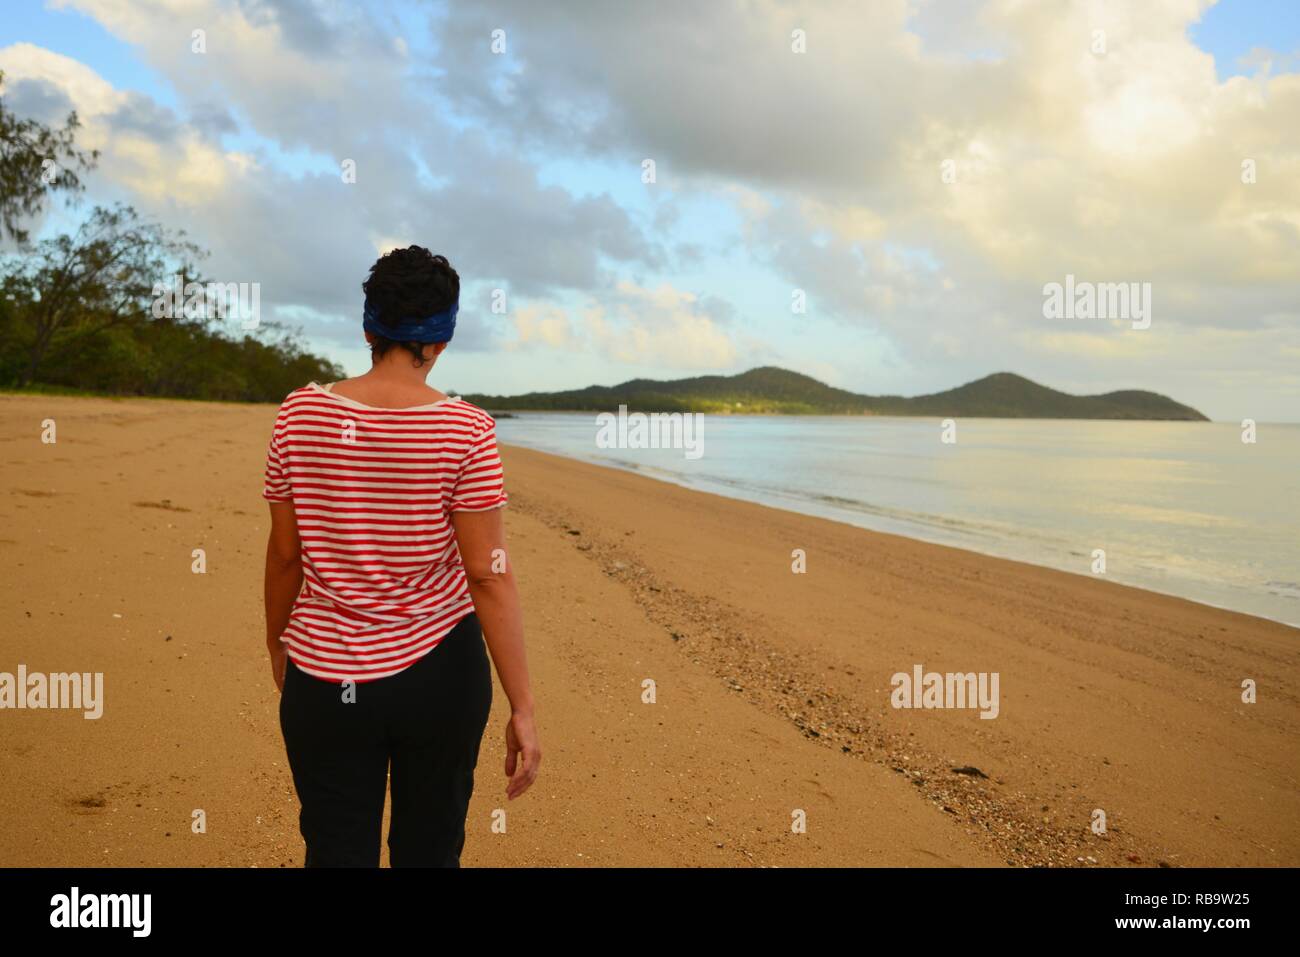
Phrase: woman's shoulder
(312, 388)
(480, 418)
(297, 398)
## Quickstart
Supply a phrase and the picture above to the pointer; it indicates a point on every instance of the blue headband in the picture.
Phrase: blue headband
(436, 328)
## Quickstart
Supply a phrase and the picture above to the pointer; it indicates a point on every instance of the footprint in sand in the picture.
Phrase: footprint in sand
(87, 805)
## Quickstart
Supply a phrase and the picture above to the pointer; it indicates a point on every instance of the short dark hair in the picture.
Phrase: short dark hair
(409, 283)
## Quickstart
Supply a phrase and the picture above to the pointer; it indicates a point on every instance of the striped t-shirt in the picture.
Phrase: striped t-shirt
(373, 490)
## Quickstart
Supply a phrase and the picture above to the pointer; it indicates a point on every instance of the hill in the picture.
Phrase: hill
(772, 390)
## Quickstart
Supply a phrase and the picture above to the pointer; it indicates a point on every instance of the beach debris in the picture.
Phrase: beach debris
(971, 770)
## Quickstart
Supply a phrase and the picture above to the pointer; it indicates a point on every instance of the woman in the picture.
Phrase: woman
(386, 555)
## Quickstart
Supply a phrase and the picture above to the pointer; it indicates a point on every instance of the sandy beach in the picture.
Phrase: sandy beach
(772, 689)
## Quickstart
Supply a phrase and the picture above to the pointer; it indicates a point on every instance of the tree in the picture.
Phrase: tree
(36, 160)
(72, 288)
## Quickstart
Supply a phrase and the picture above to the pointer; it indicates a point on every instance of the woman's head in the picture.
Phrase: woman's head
(409, 285)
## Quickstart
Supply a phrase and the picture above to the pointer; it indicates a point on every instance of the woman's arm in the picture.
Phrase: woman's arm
(482, 541)
(283, 582)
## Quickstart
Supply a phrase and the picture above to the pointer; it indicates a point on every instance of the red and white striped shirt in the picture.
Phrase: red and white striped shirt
(374, 490)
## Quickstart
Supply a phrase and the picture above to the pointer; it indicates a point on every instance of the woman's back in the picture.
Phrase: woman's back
(373, 488)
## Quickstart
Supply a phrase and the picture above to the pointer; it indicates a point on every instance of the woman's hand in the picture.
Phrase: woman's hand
(523, 754)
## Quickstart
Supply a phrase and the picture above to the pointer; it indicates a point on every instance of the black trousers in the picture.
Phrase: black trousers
(423, 724)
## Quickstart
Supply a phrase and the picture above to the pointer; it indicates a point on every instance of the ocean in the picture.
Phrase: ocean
(1183, 508)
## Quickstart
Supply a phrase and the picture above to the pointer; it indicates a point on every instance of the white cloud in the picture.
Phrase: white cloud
(170, 164)
(1122, 164)
(661, 327)
(542, 324)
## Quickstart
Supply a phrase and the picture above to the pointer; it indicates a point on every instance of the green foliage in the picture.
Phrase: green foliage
(77, 312)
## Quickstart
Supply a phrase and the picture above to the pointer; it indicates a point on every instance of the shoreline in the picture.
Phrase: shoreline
(772, 689)
(518, 413)
(673, 479)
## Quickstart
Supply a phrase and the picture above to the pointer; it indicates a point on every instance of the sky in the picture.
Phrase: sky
(875, 194)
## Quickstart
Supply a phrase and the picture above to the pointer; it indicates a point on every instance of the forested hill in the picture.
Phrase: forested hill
(772, 390)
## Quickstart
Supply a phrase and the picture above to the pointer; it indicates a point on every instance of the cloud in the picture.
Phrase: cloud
(144, 147)
(1086, 138)
(318, 90)
(544, 324)
(662, 327)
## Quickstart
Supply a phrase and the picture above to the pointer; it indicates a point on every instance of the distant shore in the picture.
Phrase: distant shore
(770, 390)
(515, 413)
(772, 689)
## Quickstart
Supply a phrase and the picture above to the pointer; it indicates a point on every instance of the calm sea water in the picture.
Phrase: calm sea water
(1184, 508)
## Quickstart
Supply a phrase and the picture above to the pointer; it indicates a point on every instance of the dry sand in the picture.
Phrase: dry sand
(772, 688)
